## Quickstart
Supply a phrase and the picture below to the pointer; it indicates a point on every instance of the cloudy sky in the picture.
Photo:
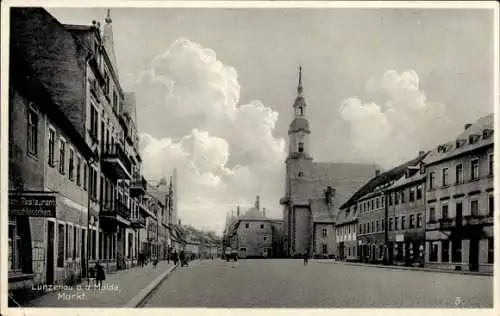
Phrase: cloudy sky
(215, 89)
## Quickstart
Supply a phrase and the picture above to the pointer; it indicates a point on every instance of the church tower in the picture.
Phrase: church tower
(299, 180)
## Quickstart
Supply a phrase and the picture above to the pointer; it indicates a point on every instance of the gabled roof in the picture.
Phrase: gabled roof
(385, 177)
(482, 124)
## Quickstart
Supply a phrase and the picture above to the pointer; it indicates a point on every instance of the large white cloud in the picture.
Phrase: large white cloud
(187, 89)
(395, 130)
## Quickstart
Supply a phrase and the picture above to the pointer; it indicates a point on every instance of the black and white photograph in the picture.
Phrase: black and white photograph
(242, 155)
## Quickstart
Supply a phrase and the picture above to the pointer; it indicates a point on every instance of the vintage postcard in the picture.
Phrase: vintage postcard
(225, 155)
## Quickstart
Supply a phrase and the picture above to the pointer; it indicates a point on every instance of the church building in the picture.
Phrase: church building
(314, 190)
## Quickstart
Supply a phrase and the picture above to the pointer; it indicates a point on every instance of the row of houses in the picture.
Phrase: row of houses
(436, 210)
(76, 192)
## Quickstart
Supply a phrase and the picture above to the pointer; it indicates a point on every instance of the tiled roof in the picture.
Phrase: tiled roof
(482, 124)
(345, 178)
(344, 216)
(404, 180)
(385, 177)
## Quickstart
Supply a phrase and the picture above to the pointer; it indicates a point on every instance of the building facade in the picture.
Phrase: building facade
(459, 201)
(406, 217)
(346, 236)
(313, 190)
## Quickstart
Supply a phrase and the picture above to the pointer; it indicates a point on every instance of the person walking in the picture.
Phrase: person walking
(175, 257)
(100, 275)
(306, 257)
(183, 258)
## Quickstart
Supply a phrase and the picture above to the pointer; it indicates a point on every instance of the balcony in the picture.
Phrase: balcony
(138, 222)
(144, 209)
(138, 186)
(110, 213)
(445, 223)
(116, 163)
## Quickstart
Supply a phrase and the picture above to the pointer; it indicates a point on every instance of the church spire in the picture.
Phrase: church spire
(108, 16)
(299, 87)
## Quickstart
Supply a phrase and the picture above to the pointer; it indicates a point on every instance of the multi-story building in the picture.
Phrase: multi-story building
(406, 217)
(308, 202)
(345, 230)
(459, 200)
(253, 234)
(371, 207)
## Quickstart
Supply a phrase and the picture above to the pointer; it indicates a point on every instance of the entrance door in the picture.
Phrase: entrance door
(50, 252)
(474, 254)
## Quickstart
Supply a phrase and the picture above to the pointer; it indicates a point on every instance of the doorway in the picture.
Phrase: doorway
(474, 254)
(50, 252)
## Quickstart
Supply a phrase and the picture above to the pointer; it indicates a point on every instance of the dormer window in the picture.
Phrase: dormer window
(473, 138)
(487, 133)
(460, 142)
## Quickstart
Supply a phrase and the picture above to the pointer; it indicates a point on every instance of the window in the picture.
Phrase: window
(378, 225)
(474, 208)
(445, 251)
(419, 220)
(390, 224)
(367, 229)
(491, 248)
(247, 225)
(261, 226)
(412, 221)
(373, 226)
(377, 203)
(71, 164)
(412, 194)
(324, 232)
(396, 222)
(402, 196)
(62, 150)
(360, 229)
(94, 121)
(403, 222)
(383, 225)
(434, 252)
(324, 249)
(445, 177)
(93, 244)
(432, 214)
(372, 204)
(115, 102)
(459, 174)
(106, 83)
(419, 192)
(474, 169)
(491, 206)
(14, 246)
(60, 246)
(85, 171)
(32, 133)
(432, 180)
(265, 237)
(74, 242)
(458, 211)
(396, 198)
(490, 165)
(52, 140)
(382, 198)
(444, 211)
(349, 251)
(390, 198)
(78, 171)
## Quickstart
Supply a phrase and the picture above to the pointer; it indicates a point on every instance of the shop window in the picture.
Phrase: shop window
(433, 255)
(456, 251)
(14, 247)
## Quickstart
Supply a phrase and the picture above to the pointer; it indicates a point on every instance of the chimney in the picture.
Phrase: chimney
(377, 173)
(179, 222)
(421, 154)
(264, 211)
(467, 126)
(257, 203)
(238, 210)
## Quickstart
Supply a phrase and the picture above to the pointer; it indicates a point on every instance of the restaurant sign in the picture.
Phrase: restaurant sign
(32, 205)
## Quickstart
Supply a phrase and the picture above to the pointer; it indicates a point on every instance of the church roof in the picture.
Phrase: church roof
(299, 124)
(345, 178)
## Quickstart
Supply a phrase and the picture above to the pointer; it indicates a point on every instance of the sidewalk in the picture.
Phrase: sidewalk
(118, 289)
(394, 267)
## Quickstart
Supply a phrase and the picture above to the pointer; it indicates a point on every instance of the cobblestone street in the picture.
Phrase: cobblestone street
(288, 283)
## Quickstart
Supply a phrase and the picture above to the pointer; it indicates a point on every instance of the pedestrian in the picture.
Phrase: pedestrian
(306, 257)
(175, 257)
(155, 261)
(100, 275)
(182, 256)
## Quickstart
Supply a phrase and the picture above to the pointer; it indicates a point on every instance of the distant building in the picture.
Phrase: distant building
(314, 190)
(346, 229)
(459, 199)
(254, 235)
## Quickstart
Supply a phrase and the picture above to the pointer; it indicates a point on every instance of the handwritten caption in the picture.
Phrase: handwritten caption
(76, 292)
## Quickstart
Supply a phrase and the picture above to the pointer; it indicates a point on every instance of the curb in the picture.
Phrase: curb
(413, 269)
(139, 298)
